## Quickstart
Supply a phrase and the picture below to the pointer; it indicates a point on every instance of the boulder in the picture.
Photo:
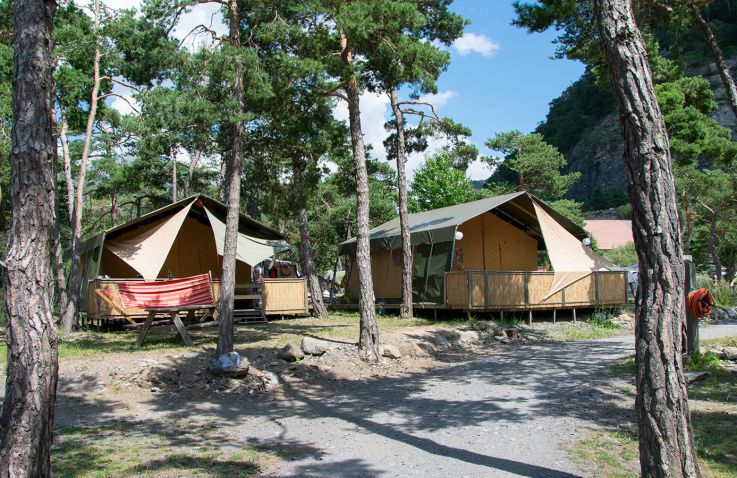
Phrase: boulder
(482, 325)
(466, 337)
(426, 347)
(312, 346)
(512, 334)
(732, 313)
(441, 343)
(390, 351)
(291, 353)
(730, 353)
(692, 377)
(231, 365)
(499, 332)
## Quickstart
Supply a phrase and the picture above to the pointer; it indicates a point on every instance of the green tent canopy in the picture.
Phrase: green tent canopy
(433, 233)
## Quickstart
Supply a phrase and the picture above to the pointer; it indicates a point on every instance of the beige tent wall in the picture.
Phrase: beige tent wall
(386, 272)
(490, 243)
(192, 253)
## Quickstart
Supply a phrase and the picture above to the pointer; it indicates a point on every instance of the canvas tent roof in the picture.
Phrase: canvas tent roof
(561, 237)
(439, 225)
(146, 251)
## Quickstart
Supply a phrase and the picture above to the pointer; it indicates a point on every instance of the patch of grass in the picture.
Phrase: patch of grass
(573, 331)
(724, 295)
(607, 454)
(96, 452)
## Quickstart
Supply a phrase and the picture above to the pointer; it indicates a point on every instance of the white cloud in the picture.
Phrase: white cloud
(473, 43)
(478, 170)
(438, 99)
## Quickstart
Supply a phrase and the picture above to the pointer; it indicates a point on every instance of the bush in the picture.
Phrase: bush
(724, 295)
(622, 256)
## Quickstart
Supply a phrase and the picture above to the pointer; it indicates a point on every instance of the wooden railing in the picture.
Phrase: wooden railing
(522, 290)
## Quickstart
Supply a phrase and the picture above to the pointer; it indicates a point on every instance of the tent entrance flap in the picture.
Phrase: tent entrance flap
(432, 261)
(250, 250)
(147, 252)
(571, 260)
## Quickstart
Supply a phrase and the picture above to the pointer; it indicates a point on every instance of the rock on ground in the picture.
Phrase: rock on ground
(312, 346)
(390, 351)
(291, 353)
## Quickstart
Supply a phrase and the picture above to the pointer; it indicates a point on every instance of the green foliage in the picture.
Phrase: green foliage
(624, 256)
(606, 198)
(536, 163)
(437, 183)
(570, 209)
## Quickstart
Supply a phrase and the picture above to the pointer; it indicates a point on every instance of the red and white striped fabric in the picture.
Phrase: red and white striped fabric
(194, 290)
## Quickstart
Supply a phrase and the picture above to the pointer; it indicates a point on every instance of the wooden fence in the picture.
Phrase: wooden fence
(521, 290)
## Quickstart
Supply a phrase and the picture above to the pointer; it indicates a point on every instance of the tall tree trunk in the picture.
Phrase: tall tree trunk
(717, 57)
(713, 249)
(69, 315)
(223, 174)
(405, 310)
(306, 254)
(61, 283)
(233, 172)
(67, 163)
(27, 421)
(114, 207)
(368, 343)
(308, 265)
(174, 192)
(666, 442)
(190, 172)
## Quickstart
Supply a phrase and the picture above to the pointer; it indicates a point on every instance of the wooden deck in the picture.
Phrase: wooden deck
(275, 296)
(521, 290)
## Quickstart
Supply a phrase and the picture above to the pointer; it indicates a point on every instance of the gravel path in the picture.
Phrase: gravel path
(504, 415)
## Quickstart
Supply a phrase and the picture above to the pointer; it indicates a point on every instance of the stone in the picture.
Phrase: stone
(312, 346)
(730, 353)
(732, 313)
(155, 389)
(512, 334)
(441, 343)
(692, 377)
(291, 353)
(466, 337)
(499, 332)
(426, 347)
(482, 325)
(269, 380)
(390, 351)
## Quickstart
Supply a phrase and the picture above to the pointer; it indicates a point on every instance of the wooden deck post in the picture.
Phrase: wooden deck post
(554, 311)
(574, 315)
(469, 291)
(529, 318)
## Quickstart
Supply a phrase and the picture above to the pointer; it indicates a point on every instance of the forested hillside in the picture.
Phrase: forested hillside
(582, 122)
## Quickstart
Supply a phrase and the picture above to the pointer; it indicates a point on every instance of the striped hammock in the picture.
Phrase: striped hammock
(194, 290)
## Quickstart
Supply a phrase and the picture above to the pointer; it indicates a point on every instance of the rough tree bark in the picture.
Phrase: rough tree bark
(368, 343)
(63, 137)
(27, 417)
(405, 309)
(666, 442)
(233, 170)
(70, 312)
(306, 254)
(114, 207)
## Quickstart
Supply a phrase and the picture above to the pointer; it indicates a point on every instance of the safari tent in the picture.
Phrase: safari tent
(483, 255)
(181, 240)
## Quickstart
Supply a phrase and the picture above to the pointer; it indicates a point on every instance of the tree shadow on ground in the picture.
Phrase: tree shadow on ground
(523, 384)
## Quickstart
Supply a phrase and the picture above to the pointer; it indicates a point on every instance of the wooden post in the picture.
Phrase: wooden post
(529, 318)
(469, 290)
(502, 315)
(692, 325)
(574, 315)
(554, 311)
